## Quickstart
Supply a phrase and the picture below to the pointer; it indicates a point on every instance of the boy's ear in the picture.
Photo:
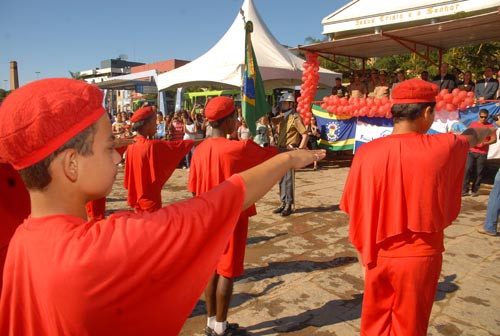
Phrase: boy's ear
(70, 164)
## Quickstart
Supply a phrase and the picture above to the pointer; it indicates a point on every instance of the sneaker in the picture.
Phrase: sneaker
(233, 329)
(465, 193)
(475, 194)
(480, 229)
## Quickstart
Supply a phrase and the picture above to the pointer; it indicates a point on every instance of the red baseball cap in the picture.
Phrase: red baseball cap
(414, 91)
(142, 113)
(218, 108)
(40, 117)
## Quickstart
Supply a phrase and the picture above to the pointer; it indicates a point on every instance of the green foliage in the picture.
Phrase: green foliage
(3, 94)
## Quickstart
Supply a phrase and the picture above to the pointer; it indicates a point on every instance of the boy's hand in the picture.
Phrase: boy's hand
(303, 157)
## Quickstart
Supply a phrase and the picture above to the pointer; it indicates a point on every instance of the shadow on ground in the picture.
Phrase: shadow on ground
(332, 312)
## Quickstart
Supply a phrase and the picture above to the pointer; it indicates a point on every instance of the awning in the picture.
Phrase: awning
(443, 35)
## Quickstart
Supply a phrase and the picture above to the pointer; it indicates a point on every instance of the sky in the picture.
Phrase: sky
(49, 38)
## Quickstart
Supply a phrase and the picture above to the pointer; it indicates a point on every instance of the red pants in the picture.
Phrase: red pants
(399, 293)
(231, 263)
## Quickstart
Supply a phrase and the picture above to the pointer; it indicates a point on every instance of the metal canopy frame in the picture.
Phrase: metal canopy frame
(419, 40)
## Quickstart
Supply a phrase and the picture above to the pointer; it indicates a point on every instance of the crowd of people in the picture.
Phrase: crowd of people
(379, 84)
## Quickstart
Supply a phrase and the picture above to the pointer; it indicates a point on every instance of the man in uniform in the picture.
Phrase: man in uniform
(292, 135)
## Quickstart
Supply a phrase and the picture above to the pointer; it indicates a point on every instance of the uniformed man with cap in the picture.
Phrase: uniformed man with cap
(292, 135)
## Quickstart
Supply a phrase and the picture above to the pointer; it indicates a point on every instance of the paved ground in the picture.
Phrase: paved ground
(302, 276)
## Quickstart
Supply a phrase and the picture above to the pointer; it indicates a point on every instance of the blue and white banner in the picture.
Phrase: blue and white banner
(370, 128)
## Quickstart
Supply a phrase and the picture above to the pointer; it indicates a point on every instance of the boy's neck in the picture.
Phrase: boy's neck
(43, 204)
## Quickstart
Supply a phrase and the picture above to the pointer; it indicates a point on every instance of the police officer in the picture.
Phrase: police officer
(292, 135)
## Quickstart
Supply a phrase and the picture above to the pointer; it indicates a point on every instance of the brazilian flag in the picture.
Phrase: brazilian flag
(253, 102)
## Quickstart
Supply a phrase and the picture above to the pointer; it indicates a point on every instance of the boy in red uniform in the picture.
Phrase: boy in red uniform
(150, 163)
(214, 161)
(401, 193)
(14, 208)
(129, 274)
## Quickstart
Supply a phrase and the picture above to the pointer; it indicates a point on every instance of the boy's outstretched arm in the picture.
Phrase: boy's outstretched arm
(260, 179)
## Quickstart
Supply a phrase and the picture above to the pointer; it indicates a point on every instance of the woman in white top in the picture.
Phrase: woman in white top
(244, 131)
(190, 131)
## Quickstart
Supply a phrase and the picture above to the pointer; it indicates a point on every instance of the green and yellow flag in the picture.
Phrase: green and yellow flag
(253, 97)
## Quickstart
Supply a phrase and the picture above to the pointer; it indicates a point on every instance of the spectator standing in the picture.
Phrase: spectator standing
(444, 80)
(177, 128)
(314, 136)
(467, 84)
(373, 81)
(490, 225)
(244, 131)
(400, 78)
(486, 88)
(262, 137)
(190, 133)
(357, 89)
(160, 126)
(382, 89)
(424, 75)
(477, 157)
(339, 89)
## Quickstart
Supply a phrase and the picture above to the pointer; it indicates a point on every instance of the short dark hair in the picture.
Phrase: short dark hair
(338, 78)
(484, 111)
(409, 111)
(219, 122)
(37, 176)
(136, 127)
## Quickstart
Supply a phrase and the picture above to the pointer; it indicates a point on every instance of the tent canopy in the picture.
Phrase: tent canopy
(364, 28)
(223, 64)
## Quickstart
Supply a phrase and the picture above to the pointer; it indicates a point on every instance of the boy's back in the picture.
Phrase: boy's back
(120, 276)
(411, 181)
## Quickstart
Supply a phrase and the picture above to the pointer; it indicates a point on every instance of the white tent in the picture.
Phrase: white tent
(224, 64)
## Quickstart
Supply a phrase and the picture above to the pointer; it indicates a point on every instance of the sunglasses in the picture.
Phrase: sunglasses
(483, 117)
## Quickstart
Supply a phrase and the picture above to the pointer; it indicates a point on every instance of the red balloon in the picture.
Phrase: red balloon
(462, 95)
(470, 94)
(448, 98)
(456, 100)
(468, 101)
(455, 91)
(450, 107)
(440, 106)
(439, 98)
(463, 106)
(444, 92)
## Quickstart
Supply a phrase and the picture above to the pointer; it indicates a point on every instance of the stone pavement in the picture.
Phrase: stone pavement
(302, 276)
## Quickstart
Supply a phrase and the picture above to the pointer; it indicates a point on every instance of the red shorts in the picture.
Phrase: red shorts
(231, 263)
(399, 293)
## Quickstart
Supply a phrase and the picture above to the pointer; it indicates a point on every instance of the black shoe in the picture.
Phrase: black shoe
(287, 211)
(280, 209)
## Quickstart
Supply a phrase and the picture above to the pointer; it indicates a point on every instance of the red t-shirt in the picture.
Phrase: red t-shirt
(478, 148)
(129, 274)
(148, 166)
(216, 159)
(400, 183)
(15, 206)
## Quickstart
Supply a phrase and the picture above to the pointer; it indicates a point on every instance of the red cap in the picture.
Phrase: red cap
(142, 113)
(414, 91)
(218, 108)
(38, 118)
